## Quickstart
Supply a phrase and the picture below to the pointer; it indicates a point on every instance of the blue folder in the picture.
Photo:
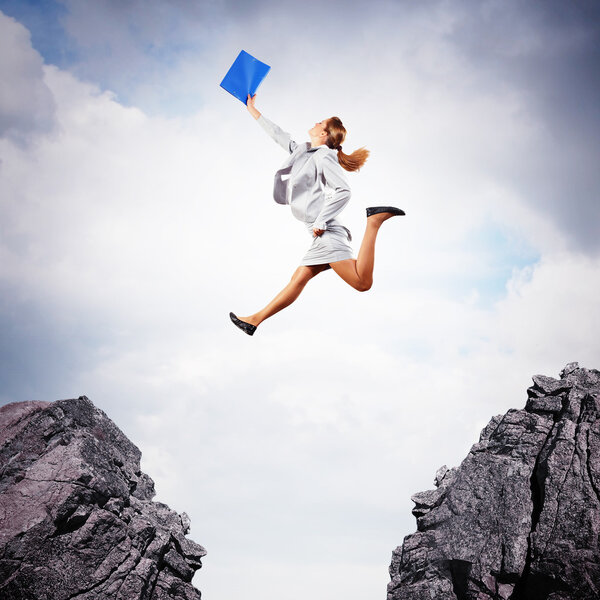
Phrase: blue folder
(244, 76)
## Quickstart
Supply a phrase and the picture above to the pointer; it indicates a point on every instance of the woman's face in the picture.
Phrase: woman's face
(318, 129)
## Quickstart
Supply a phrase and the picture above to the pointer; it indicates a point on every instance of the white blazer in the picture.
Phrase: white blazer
(311, 180)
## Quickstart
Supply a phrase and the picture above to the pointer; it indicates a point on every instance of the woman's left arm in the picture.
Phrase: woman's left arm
(336, 202)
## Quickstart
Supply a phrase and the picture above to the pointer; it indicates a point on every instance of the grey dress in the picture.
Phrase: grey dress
(313, 183)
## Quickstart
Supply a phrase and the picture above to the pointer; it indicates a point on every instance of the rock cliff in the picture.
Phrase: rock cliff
(77, 519)
(520, 517)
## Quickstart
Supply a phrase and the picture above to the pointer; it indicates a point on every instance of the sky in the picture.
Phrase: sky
(136, 212)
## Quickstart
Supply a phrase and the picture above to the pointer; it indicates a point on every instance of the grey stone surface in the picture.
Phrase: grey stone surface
(520, 517)
(77, 520)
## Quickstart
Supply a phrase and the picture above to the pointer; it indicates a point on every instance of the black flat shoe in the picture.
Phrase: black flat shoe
(374, 210)
(245, 327)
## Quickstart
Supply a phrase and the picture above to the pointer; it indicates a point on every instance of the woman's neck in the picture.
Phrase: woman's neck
(314, 142)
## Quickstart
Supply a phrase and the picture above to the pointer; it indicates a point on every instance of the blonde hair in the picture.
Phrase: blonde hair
(336, 134)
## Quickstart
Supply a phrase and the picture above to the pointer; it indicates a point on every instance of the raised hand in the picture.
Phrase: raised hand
(250, 106)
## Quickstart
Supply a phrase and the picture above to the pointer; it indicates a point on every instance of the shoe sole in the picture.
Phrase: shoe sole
(375, 210)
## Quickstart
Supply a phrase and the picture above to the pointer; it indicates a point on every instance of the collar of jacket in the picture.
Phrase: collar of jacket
(319, 147)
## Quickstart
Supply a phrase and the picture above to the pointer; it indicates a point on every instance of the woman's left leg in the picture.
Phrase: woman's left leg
(359, 272)
(288, 294)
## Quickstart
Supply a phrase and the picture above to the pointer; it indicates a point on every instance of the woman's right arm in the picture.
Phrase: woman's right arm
(250, 106)
(280, 136)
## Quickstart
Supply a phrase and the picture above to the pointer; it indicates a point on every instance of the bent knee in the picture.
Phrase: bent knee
(363, 286)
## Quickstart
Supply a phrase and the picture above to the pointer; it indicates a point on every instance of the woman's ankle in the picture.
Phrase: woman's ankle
(252, 319)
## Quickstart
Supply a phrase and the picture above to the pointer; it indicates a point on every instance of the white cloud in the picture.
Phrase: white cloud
(296, 451)
(26, 104)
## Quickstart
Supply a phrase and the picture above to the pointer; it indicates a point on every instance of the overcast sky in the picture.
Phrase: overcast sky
(136, 212)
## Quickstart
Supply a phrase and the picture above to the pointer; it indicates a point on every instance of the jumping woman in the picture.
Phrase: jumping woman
(312, 182)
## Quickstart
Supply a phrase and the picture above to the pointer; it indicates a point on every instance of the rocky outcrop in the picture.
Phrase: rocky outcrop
(520, 517)
(77, 519)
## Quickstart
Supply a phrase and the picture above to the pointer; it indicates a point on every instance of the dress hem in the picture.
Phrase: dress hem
(334, 257)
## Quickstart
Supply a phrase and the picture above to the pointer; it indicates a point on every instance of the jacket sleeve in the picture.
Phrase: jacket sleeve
(280, 136)
(338, 194)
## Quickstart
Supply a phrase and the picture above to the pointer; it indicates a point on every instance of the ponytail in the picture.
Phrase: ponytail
(354, 161)
(336, 134)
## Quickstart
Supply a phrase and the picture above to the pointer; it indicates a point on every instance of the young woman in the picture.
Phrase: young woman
(312, 182)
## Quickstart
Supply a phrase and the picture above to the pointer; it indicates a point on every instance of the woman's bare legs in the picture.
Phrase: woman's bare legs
(359, 272)
(288, 294)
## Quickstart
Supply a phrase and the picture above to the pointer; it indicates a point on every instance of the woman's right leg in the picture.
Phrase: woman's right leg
(288, 294)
